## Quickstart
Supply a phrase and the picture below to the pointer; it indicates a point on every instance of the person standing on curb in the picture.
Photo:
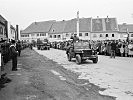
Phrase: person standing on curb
(18, 47)
(13, 55)
(113, 49)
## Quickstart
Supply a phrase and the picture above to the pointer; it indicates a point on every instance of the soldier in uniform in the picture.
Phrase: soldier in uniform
(74, 38)
(18, 47)
(13, 55)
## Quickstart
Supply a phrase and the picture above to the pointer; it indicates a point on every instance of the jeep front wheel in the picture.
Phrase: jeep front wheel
(95, 60)
(78, 59)
(69, 57)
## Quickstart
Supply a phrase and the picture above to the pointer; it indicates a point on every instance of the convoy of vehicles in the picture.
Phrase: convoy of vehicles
(80, 50)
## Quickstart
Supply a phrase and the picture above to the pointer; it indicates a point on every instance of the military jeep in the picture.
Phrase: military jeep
(43, 44)
(81, 51)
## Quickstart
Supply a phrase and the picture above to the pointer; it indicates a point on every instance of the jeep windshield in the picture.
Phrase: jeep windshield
(81, 45)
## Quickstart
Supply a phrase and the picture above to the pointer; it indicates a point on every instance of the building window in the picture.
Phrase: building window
(94, 35)
(1, 30)
(86, 34)
(131, 35)
(101, 35)
(25, 35)
(54, 36)
(37, 34)
(80, 34)
(106, 35)
(50, 36)
(43, 34)
(59, 36)
(113, 35)
(67, 35)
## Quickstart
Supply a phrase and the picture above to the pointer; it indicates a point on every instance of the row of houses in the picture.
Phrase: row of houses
(7, 31)
(3, 27)
(89, 29)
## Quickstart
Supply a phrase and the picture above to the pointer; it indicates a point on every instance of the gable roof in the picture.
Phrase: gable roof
(58, 27)
(124, 27)
(39, 27)
(84, 25)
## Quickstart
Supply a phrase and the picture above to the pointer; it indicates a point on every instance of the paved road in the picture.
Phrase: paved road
(116, 75)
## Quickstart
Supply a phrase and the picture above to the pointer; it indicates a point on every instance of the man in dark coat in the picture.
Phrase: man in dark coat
(13, 55)
(18, 47)
(74, 38)
(113, 49)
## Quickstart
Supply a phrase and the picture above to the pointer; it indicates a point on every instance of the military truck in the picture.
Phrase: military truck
(43, 44)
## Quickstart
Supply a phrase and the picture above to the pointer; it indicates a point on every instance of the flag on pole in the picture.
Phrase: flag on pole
(77, 15)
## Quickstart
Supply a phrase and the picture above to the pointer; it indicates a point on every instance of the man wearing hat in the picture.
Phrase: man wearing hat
(13, 55)
(75, 37)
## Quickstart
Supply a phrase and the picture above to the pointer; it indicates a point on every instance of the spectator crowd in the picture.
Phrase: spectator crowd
(5, 56)
(110, 48)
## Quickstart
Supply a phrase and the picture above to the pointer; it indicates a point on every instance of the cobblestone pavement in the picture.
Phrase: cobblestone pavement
(39, 78)
(116, 75)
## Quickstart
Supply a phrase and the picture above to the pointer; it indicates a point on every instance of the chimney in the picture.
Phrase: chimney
(17, 33)
(6, 29)
(35, 23)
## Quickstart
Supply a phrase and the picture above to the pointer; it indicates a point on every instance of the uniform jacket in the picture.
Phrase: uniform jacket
(13, 51)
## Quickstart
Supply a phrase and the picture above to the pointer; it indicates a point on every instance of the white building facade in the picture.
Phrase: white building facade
(89, 29)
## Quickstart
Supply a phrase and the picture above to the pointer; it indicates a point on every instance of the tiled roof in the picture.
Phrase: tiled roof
(70, 26)
(124, 27)
(84, 25)
(111, 24)
(104, 25)
(58, 27)
(37, 27)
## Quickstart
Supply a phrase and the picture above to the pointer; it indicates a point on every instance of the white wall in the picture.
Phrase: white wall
(55, 39)
(11, 32)
(116, 36)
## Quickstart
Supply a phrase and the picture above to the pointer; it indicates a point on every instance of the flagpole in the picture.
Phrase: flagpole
(78, 23)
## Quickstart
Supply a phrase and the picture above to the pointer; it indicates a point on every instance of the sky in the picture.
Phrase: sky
(25, 12)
